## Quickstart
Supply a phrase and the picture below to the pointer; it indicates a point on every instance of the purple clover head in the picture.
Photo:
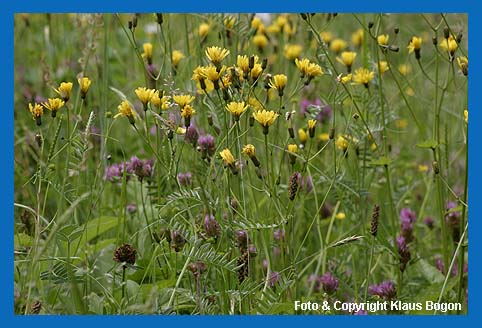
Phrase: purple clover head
(329, 283)
(429, 222)
(273, 278)
(191, 135)
(305, 103)
(114, 173)
(206, 145)
(242, 238)
(185, 179)
(131, 208)
(279, 234)
(385, 290)
(211, 226)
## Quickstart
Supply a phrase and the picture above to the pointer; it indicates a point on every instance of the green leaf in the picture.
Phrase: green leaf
(382, 161)
(430, 144)
(429, 272)
(96, 227)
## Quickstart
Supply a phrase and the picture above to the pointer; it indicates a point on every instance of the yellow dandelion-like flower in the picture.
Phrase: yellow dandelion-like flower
(216, 54)
(236, 108)
(144, 95)
(302, 65)
(64, 90)
(449, 45)
(326, 36)
(357, 37)
(183, 100)
(213, 74)
(345, 78)
(162, 103)
(250, 151)
(401, 123)
(292, 51)
(324, 137)
(422, 168)
(53, 105)
(293, 148)
(340, 216)
(125, 109)
(415, 44)
(278, 82)
(203, 30)
(187, 111)
(256, 72)
(463, 63)
(228, 159)
(256, 22)
(405, 69)
(229, 22)
(342, 143)
(84, 84)
(260, 41)
(466, 116)
(255, 104)
(363, 76)
(383, 66)
(338, 45)
(311, 127)
(242, 63)
(347, 58)
(37, 111)
(147, 54)
(312, 71)
(302, 135)
(265, 118)
(273, 29)
(176, 57)
(383, 39)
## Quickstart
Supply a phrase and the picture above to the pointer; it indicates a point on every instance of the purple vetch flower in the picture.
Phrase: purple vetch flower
(439, 264)
(305, 183)
(131, 208)
(211, 226)
(206, 145)
(429, 222)
(115, 172)
(242, 239)
(141, 168)
(385, 290)
(185, 179)
(403, 251)
(279, 234)
(273, 278)
(253, 251)
(316, 281)
(329, 283)
(407, 219)
(191, 136)
(305, 103)
(177, 241)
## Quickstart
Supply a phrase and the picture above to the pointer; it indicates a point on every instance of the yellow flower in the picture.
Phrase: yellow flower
(176, 57)
(242, 63)
(53, 105)
(216, 54)
(404, 69)
(64, 90)
(255, 104)
(144, 95)
(256, 23)
(466, 116)
(345, 78)
(160, 102)
(236, 108)
(265, 118)
(182, 100)
(449, 45)
(147, 54)
(422, 168)
(311, 127)
(337, 45)
(302, 135)
(213, 74)
(126, 110)
(84, 84)
(463, 63)
(383, 39)
(279, 82)
(342, 143)
(249, 150)
(203, 30)
(401, 123)
(313, 70)
(357, 37)
(260, 41)
(256, 72)
(409, 92)
(324, 137)
(363, 76)
(187, 111)
(273, 29)
(293, 148)
(37, 111)
(302, 65)
(415, 44)
(227, 156)
(326, 37)
(292, 51)
(347, 58)
(229, 22)
(383, 66)
(340, 216)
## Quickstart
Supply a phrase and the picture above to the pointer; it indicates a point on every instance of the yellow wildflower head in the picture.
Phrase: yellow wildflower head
(228, 159)
(347, 58)
(229, 22)
(466, 116)
(125, 109)
(422, 168)
(216, 55)
(324, 137)
(187, 112)
(463, 63)
(255, 104)
(265, 118)
(341, 143)
(337, 45)
(160, 101)
(404, 69)
(382, 39)
(363, 76)
(84, 84)
(292, 148)
(279, 82)
(415, 45)
(236, 108)
(383, 66)
(182, 100)
(292, 51)
(260, 41)
(340, 216)
(203, 30)
(256, 72)
(37, 111)
(64, 90)
(144, 95)
(147, 54)
(250, 151)
(302, 65)
(242, 63)
(176, 57)
(312, 71)
(213, 74)
(326, 37)
(53, 105)
(302, 135)
(357, 37)
(450, 45)
(311, 127)
(345, 78)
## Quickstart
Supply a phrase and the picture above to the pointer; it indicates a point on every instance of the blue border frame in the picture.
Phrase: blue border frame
(8, 8)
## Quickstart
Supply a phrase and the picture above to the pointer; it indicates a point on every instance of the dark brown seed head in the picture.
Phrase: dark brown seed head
(375, 218)
(125, 254)
(293, 185)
